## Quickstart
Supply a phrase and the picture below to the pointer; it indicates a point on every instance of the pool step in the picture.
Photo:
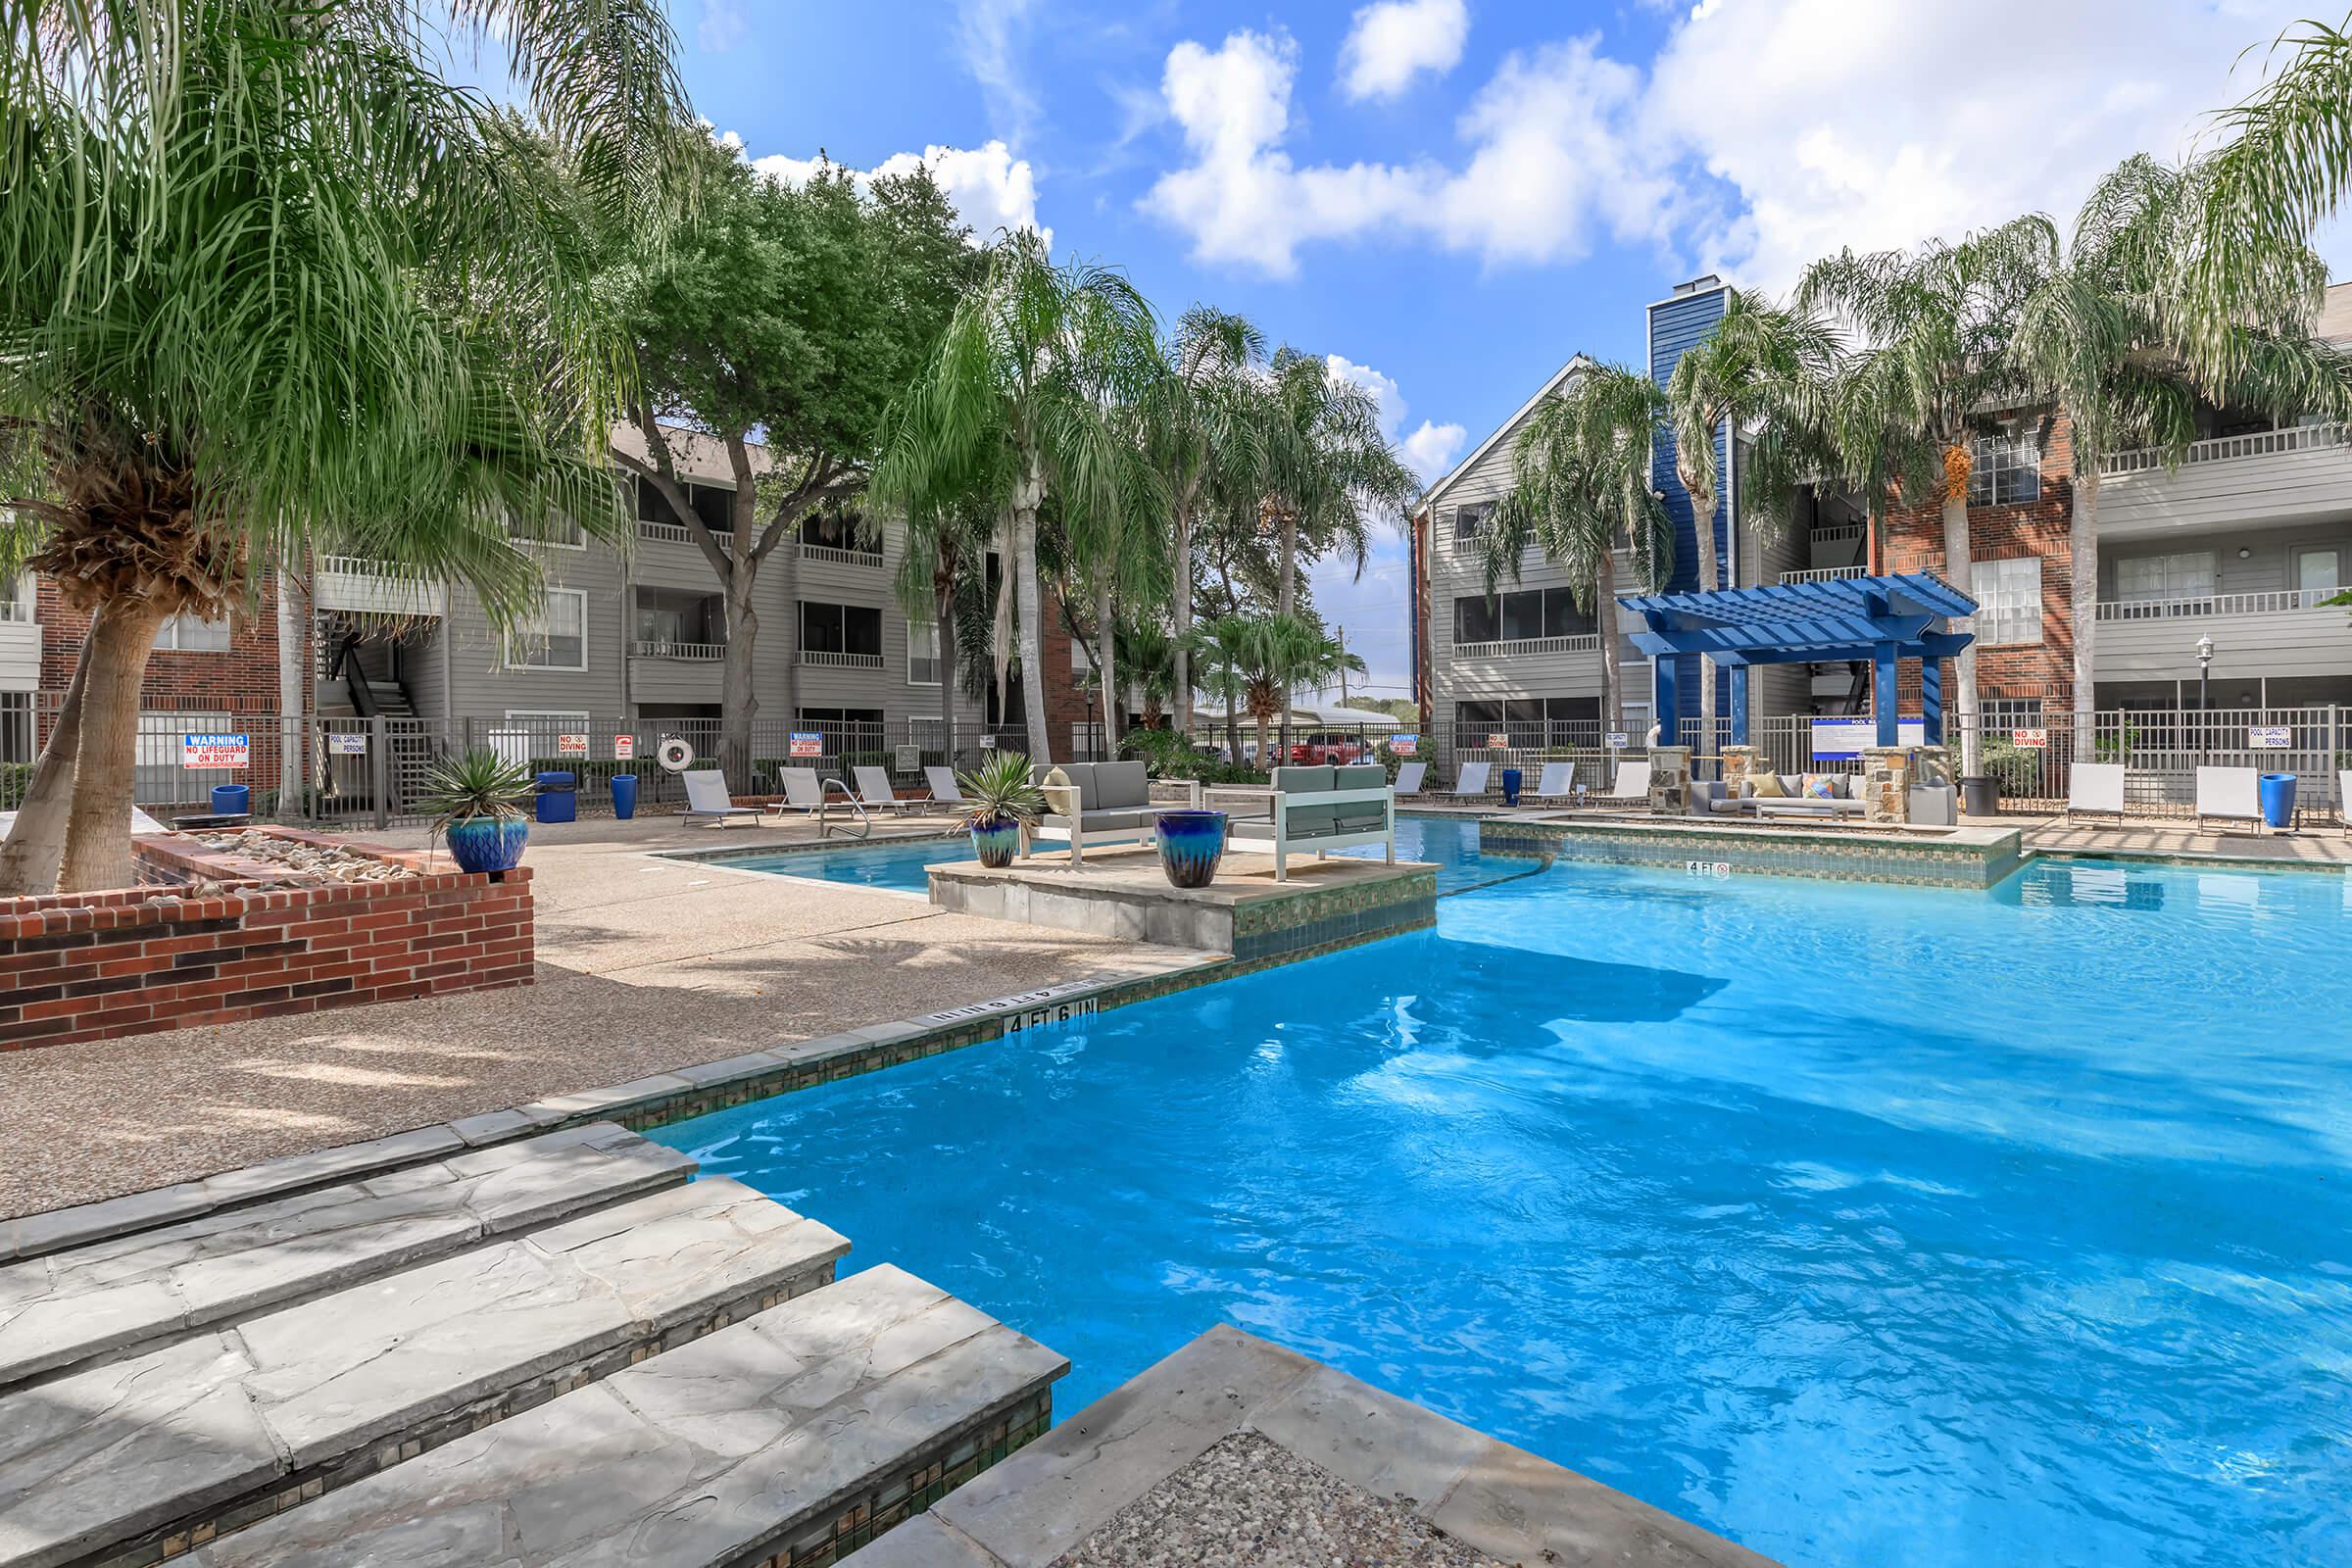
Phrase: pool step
(789, 1438)
(136, 1458)
(111, 1298)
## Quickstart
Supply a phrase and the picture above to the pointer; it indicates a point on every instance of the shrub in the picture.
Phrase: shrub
(15, 779)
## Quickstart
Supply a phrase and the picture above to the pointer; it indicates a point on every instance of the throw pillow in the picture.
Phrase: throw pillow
(1821, 785)
(1765, 787)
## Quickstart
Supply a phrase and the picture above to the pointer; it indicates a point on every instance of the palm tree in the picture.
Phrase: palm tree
(948, 536)
(1155, 662)
(1222, 654)
(267, 279)
(1262, 659)
(1045, 363)
(1761, 368)
(1581, 491)
(1939, 322)
(1201, 440)
(2105, 335)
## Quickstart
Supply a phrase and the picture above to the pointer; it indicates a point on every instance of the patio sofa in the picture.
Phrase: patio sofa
(1711, 797)
(1114, 806)
(1321, 809)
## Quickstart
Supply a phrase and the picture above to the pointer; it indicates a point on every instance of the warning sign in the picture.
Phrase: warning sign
(808, 743)
(625, 748)
(215, 751)
(571, 745)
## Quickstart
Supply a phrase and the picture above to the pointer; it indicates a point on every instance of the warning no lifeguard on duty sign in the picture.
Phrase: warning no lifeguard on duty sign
(215, 751)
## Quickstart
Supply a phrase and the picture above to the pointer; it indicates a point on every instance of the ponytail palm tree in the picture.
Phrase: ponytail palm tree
(1045, 364)
(1580, 492)
(267, 279)
(1762, 367)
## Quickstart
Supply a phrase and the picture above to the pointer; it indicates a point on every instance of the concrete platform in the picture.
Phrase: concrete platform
(1122, 894)
(114, 1296)
(1134, 1478)
(120, 1461)
(1961, 857)
(785, 1438)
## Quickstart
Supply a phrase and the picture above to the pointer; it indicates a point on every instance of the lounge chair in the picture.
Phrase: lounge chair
(2231, 794)
(809, 795)
(1410, 776)
(2095, 787)
(1630, 789)
(706, 799)
(2343, 797)
(943, 786)
(1558, 783)
(1472, 782)
(875, 794)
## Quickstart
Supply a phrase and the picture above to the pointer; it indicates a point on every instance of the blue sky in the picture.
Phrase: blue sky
(1452, 197)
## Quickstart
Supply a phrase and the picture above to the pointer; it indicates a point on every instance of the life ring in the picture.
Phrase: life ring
(674, 753)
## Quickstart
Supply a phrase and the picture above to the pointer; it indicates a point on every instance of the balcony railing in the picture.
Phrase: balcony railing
(19, 610)
(1838, 533)
(821, 660)
(375, 587)
(1824, 574)
(2224, 448)
(703, 653)
(677, 533)
(2280, 601)
(839, 557)
(1527, 647)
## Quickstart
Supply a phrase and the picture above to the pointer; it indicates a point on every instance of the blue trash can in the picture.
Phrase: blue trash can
(624, 796)
(232, 799)
(558, 800)
(2278, 799)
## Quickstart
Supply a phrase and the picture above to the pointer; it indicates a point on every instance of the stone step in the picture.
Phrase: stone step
(135, 1459)
(788, 1437)
(110, 1298)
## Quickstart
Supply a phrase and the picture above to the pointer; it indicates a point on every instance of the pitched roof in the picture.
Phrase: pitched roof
(1429, 496)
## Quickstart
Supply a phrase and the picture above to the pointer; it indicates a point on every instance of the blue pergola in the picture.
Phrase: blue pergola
(1876, 621)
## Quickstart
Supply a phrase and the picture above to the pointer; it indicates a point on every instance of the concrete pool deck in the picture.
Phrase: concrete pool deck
(645, 965)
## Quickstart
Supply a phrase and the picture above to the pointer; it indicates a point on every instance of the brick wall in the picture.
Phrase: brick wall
(1914, 543)
(97, 965)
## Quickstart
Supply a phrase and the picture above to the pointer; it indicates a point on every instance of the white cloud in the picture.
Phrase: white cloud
(987, 36)
(1430, 450)
(722, 26)
(991, 188)
(1553, 148)
(1765, 133)
(1393, 41)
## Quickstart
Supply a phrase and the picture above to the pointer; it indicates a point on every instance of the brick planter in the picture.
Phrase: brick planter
(253, 944)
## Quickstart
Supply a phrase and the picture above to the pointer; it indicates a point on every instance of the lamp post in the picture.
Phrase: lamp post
(2204, 694)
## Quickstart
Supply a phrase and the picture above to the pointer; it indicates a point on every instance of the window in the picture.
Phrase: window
(714, 505)
(192, 634)
(922, 654)
(671, 615)
(841, 629)
(838, 530)
(1470, 525)
(1520, 617)
(2320, 570)
(558, 531)
(2189, 575)
(2007, 471)
(557, 637)
(16, 727)
(2011, 713)
(2008, 595)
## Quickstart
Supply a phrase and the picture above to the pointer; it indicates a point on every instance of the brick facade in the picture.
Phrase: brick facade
(2039, 527)
(97, 965)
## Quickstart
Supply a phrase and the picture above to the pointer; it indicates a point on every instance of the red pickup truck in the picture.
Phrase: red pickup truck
(1329, 750)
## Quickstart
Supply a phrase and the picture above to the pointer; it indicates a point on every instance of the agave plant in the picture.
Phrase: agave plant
(477, 784)
(1000, 794)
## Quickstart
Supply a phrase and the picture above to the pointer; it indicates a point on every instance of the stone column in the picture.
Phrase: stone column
(1669, 780)
(1887, 783)
(1737, 762)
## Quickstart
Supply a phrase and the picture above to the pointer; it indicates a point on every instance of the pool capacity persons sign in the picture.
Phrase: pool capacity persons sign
(2270, 737)
(1843, 740)
(215, 751)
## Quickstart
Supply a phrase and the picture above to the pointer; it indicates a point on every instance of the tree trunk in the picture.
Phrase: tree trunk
(1233, 732)
(293, 619)
(1105, 655)
(2083, 534)
(738, 703)
(1028, 491)
(1264, 760)
(1181, 616)
(943, 610)
(36, 849)
(98, 823)
(1710, 578)
(1286, 604)
(1604, 603)
(1956, 573)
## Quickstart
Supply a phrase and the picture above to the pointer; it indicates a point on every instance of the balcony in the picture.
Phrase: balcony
(835, 556)
(818, 658)
(367, 587)
(691, 652)
(2299, 474)
(1824, 574)
(1530, 646)
(675, 533)
(2288, 631)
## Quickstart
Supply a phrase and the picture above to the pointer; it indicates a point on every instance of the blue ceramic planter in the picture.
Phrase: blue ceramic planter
(487, 844)
(1191, 844)
(997, 846)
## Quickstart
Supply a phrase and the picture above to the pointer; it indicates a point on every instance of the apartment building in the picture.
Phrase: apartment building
(2214, 564)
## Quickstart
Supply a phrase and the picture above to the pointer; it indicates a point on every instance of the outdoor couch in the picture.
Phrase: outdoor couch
(1712, 796)
(1114, 806)
(1321, 809)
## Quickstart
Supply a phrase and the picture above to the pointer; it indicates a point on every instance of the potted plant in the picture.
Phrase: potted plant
(1002, 806)
(476, 800)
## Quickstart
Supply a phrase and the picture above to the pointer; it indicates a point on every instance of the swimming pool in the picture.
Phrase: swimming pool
(1866, 1225)
(1450, 841)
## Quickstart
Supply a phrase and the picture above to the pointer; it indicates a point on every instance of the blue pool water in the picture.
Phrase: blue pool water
(1451, 842)
(1865, 1225)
